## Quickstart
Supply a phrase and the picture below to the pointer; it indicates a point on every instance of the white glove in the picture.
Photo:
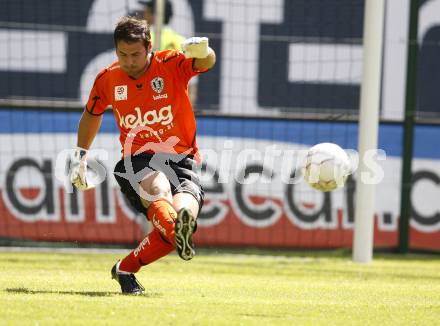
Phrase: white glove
(78, 171)
(196, 47)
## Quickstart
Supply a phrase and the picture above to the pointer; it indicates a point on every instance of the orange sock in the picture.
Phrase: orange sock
(149, 250)
(163, 215)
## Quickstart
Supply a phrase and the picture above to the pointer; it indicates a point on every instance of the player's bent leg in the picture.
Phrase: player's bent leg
(188, 208)
(155, 191)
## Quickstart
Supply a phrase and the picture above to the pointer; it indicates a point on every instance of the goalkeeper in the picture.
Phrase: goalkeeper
(148, 93)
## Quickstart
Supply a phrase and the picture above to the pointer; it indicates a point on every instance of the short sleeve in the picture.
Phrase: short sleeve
(97, 102)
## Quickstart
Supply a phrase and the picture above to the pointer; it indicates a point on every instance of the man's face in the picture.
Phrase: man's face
(132, 57)
(149, 15)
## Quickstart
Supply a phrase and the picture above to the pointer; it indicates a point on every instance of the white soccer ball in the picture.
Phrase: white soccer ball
(327, 167)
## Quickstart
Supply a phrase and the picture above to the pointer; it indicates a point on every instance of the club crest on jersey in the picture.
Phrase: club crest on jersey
(121, 93)
(157, 84)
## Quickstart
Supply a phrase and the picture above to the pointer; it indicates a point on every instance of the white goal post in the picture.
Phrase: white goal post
(368, 127)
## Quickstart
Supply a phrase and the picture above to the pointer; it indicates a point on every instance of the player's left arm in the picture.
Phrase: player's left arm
(198, 48)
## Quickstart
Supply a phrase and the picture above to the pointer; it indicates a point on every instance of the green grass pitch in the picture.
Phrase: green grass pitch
(307, 288)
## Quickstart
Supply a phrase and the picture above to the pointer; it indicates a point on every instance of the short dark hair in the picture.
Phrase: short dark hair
(131, 30)
(152, 5)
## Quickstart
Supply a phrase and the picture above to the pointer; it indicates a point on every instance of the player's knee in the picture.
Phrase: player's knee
(188, 201)
(157, 184)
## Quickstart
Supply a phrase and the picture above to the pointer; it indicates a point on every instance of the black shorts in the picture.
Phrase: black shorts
(179, 171)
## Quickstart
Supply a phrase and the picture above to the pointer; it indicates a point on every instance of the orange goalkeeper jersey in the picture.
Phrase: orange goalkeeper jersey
(153, 112)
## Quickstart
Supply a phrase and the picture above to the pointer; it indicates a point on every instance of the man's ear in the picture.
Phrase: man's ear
(149, 47)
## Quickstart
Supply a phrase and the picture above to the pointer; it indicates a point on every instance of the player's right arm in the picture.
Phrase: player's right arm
(88, 128)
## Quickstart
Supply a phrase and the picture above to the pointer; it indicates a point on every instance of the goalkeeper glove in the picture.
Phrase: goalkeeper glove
(78, 175)
(196, 47)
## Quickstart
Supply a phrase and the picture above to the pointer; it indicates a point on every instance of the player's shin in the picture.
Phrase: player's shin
(149, 250)
(162, 215)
